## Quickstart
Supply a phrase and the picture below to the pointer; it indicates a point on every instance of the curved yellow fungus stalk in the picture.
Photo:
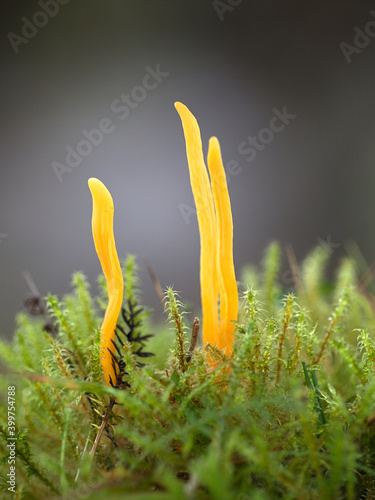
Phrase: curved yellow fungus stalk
(102, 230)
(202, 193)
(228, 285)
(216, 233)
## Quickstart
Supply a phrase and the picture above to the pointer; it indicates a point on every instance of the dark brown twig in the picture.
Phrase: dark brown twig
(103, 426)
(194, 338)
(35, 304)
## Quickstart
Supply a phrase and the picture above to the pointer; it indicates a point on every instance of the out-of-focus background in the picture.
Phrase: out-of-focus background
(69, 67)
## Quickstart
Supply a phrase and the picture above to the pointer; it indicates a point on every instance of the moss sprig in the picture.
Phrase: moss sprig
(167, 428)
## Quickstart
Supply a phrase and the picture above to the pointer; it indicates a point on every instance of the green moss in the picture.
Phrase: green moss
(290, 415)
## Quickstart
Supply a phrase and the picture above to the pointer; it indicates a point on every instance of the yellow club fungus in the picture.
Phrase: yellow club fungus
(102, 230)
(224, 225)
(217, 276)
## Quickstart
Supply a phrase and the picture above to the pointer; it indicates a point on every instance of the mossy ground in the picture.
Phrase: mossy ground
(290, 415)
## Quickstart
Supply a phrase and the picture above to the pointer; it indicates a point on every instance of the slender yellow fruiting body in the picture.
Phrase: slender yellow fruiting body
(102, 230)
(228, 285)
(202, 193)
(214, 215)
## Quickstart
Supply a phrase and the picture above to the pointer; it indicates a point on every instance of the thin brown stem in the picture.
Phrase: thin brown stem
(281, 344)
(328, 335)
(364, 281)
(287, 316)
(194, 338)
(294, 268)
(154, 280)
(102, 427)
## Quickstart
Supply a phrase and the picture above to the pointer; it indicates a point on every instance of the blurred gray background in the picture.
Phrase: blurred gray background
(232, 63)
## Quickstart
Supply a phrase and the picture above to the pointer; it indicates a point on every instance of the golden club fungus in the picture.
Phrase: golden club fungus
(217, 275)
(102, 230)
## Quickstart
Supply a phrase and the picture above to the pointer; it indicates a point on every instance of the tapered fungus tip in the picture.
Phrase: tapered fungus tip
(181, 108)
(213, 141)
(101, 194)
(93, 181)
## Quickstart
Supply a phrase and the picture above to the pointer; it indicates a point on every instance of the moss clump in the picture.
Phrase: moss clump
(291, 414)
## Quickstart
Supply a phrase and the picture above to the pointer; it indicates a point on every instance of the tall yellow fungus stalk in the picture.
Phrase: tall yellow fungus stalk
(102, 230)
(217, 275)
